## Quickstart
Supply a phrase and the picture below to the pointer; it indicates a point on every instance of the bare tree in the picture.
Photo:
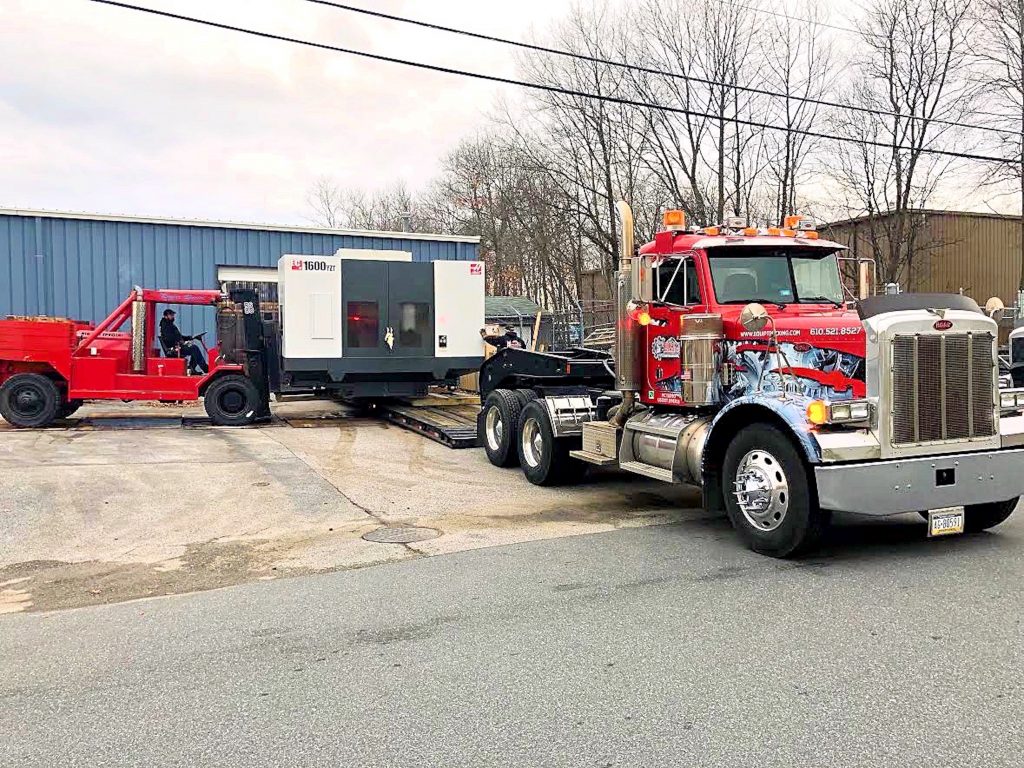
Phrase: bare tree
(701, 156)
(999, 48)
(799, 63)
(914, 73)
(392, 209)
(325, 200)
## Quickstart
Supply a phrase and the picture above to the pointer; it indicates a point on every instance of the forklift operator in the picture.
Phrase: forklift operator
(177, 345)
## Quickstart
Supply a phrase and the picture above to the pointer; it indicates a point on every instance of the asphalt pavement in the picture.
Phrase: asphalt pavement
(660, 646)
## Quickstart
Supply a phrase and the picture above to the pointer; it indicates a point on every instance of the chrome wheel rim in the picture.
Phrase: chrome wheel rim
(494, 428)
(761, 489)
(533, 443)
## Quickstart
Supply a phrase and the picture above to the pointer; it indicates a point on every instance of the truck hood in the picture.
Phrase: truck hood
(819, 326)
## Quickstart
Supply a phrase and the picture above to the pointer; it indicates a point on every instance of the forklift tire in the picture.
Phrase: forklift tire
(779, 515)
(232, 401)
(545, 458)
(499, 427)
(29, 400)
(69, 407)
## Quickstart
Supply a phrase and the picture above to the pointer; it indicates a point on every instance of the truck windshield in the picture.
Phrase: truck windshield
(776, 276)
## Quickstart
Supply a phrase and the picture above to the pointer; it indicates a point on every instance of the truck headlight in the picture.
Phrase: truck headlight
(821, 412)
(1011, 400)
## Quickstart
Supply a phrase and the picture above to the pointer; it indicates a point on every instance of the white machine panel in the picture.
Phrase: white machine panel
(372, 255)
(309, 292)
(458, 308)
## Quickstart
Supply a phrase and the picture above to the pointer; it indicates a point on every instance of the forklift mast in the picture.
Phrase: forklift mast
(257, 355)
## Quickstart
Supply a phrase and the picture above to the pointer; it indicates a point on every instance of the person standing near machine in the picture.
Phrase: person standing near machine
(177, 345)
(509, 339)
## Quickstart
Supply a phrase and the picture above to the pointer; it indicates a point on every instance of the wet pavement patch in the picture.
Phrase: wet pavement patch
(403, 535)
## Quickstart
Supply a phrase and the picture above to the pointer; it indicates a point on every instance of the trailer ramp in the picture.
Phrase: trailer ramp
(451, 425)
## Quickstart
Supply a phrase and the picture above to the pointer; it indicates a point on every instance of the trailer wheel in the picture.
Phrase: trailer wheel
(29, 400)
(525, 396)
(545, 458)
(768, 494)
(232, 401)
(500, 425)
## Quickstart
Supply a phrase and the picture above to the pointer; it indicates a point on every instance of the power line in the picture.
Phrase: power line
(651, 70)
(787, 17)
(542, 87)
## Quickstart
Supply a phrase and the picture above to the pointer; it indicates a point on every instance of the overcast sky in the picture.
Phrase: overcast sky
(112, 111)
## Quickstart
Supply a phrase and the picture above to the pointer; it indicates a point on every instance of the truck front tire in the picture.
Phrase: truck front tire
(545, 458)
(232, 401)
(500, 427)
(29, 400)
(981, 517)
(768, 494)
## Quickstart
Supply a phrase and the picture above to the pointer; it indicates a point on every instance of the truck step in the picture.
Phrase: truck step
(639, 468)
(593, 458)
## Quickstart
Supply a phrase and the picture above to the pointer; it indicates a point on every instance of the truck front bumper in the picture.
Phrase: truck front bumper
(926, 482)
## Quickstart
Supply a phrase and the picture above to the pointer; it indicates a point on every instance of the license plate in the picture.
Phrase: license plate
(945, 521)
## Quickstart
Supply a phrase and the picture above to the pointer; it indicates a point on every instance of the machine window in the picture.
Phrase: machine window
(362, 324)
(413, 324)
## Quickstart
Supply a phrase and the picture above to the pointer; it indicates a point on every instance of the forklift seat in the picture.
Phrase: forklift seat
(164, 350)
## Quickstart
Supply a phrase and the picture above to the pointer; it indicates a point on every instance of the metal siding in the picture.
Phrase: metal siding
(83, 268)
(978, 253)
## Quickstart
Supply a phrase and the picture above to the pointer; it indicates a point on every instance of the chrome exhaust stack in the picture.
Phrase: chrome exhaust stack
(626, 342)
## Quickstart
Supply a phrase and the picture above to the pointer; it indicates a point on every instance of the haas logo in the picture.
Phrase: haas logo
(296, 263)
(476, 269)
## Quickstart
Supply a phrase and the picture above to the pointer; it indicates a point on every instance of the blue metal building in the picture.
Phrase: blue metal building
(82, 265)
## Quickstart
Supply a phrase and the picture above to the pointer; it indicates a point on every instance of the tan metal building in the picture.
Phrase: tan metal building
(978, 254)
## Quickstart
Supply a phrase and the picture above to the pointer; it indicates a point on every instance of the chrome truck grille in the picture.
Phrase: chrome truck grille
(942, 387)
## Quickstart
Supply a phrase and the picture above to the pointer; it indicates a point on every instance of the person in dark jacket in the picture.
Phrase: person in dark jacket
(177, 345)
(508, 339)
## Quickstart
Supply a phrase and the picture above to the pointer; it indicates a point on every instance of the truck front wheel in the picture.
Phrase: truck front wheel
(545, 458)
(29, 400)
(232, 401)
(768, 496)
(980, 517)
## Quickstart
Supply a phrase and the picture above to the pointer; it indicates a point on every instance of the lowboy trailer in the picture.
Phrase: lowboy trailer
(739, 368)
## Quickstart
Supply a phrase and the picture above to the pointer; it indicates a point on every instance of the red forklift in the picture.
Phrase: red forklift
(49, 366)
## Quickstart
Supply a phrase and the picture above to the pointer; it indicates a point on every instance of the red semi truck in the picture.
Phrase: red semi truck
(740, 366)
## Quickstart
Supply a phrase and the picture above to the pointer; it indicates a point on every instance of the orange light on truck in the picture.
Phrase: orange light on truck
(750, 232)
(712, 231)
(673, 219)
(817, 412)
(774, 231)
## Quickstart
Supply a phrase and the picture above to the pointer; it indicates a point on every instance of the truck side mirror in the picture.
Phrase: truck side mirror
(754, 317)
